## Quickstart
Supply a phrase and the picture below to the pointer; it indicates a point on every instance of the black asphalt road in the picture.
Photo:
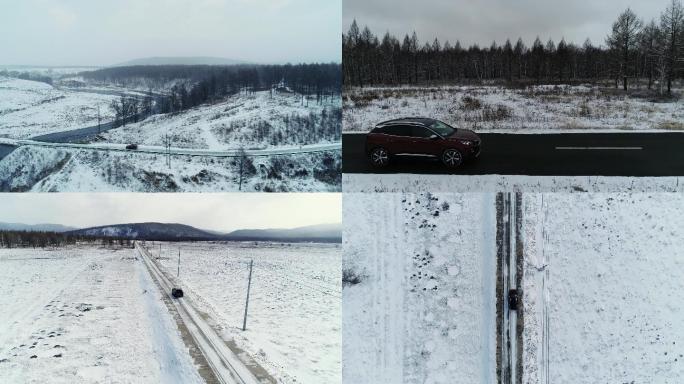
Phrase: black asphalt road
(6, 150)
(661, 154)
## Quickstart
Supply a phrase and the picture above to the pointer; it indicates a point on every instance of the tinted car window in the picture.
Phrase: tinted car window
(420, 132)
(398, 130)
(442, 128)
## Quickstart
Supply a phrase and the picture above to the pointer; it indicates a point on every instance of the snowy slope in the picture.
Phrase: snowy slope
(31, 108)
(251, 121)
(536, 109)
(87, 315)
(293, 326)
(603, 282)
(423, 310)
(55, 169)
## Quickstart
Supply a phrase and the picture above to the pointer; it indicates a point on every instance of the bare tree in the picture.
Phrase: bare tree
(672, 27)
(623, 42)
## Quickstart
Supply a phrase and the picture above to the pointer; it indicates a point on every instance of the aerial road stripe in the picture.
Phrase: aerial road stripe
(600, 148)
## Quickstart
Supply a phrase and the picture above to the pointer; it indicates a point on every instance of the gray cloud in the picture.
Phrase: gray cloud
(217, 211)
(484, 21)
(106, 32)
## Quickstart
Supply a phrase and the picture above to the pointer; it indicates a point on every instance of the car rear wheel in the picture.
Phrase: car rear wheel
(379, 157)
(452, 158)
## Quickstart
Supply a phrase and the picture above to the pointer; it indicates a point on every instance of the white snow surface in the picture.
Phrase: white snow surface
(293, 323)
(404, 182)
(231, 123)
(534, 109)
(31, 108)
(602, 288)
(47, 169)
(424, 309)
(88, 315)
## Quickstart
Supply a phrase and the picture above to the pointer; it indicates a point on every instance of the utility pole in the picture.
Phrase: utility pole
(249, 285)
(178, 273)
(98, 119)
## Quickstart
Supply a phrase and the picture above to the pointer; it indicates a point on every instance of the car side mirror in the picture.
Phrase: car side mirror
(433, 137)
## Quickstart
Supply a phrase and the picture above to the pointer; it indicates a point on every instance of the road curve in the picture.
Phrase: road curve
(178, 151)
(562, 154)
(226, 366)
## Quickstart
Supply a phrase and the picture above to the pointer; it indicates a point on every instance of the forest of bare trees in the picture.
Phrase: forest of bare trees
(29, 239)
(633, 50)
(199, 84)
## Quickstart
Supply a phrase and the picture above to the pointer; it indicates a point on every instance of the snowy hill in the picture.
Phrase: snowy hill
(163, 231)
(147, 231)
(34, 227)
(198, 60)
(322, 232)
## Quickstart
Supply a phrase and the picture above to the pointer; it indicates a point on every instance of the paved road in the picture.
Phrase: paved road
(76, 135)
(177, 151)
(6, 150)
(225, 364)
(576, 154)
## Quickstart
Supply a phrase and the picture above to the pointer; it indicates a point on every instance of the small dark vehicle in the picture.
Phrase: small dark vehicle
(132, 146)
(513, 299)
(421, 137)
(176, 292)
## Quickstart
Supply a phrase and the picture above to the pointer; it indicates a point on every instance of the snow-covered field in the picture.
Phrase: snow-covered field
(293, 325)
(602, 288)
(419, 301)
(60, 170)
(536, 109)
(253, 121)
(498, 183)
(31, 108)
(84, 314)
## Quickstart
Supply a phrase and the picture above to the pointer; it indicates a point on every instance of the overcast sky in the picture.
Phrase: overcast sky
(215, 211)
(106, 32)
(482, 21)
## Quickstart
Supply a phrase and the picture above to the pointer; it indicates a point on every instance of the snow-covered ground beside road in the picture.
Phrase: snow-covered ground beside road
(31, 168)
(534, 109)
(31, 108)
(419, 301)
(293, 325)
(602, 288)
(511, 183)
(254, 121)
(84, 314)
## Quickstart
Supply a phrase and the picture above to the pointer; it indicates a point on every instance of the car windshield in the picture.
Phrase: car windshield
(442, 128)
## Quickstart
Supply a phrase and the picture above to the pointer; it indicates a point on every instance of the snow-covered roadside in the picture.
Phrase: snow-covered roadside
(63, 170)
(503, 183)
(419, 304)
(31, 108)
(602, 288)
(255, 121)
(293, 325)
(535, 109)
(86, 314)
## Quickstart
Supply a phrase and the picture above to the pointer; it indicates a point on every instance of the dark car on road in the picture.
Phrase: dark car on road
(132, 146)
(420, 136)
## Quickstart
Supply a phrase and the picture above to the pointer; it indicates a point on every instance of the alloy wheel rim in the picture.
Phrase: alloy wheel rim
(452, 157)
(380, 157)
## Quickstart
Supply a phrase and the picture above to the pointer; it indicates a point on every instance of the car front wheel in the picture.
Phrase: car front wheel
(452, 158)
(379, 157)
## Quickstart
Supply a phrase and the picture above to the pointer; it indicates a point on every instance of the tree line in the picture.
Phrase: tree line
(632, 50)
(29, 239)
(199, 84)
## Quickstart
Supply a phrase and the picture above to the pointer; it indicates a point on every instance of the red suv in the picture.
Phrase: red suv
(421, 137)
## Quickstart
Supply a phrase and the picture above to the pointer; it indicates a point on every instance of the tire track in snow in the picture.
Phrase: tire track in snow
(226, 366)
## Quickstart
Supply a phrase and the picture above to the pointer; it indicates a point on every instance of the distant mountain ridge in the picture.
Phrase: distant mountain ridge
(35, 227)
(198, 60)
(331, 233)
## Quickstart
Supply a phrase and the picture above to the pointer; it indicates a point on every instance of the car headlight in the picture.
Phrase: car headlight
(467, 142)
